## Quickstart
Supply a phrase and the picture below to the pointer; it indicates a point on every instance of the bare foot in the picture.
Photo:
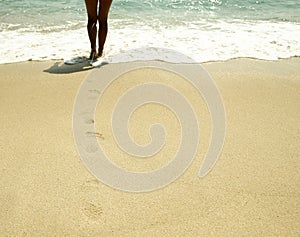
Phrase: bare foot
(93, 55)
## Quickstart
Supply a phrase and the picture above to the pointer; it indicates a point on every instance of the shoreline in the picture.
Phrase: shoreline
(140, 60)
(253, 189)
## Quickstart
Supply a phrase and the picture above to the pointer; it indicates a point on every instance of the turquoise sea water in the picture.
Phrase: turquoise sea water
(203, 29)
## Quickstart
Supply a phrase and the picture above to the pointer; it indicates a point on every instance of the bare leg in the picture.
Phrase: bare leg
(91, 7)
(102, 18)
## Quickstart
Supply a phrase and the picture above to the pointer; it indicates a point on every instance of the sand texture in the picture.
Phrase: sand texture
(253, 190)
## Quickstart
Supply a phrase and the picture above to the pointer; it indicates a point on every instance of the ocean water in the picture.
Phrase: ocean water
(204, 30)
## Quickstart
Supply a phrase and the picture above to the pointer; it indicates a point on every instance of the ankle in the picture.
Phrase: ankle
(93, 54)
(100, 52)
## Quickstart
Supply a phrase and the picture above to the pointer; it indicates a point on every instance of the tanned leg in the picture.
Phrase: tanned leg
(102, 19)
(91, 7)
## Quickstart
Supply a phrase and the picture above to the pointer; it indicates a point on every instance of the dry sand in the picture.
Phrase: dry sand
(252, 191)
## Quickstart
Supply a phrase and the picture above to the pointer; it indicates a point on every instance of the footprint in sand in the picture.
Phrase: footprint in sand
(91, 203)
(89, 121)
(95, 134)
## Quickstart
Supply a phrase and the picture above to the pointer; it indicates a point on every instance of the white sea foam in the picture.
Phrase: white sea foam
(202, 41)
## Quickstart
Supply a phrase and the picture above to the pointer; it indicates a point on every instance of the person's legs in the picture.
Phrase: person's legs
(102, 18)
(91, 7)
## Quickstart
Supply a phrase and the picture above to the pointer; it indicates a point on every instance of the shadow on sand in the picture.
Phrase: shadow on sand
(63, 68)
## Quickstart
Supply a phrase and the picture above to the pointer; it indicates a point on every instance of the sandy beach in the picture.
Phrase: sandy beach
(253, 190)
